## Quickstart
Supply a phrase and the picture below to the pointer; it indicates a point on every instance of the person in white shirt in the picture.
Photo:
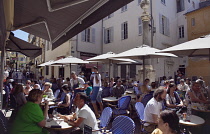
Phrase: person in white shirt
(153, 109)
(83, 115)
(96, 78)
(76, 83)
(182, 89)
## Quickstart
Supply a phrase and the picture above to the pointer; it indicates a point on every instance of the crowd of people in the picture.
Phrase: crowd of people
(86, 97)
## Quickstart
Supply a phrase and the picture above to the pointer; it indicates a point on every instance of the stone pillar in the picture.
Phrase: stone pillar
(145, 20)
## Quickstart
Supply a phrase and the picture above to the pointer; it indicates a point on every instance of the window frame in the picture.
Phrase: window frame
(192, 22)
(124, 8)
(124, 30)
(163, 2)
(108, 35)
(181, 32)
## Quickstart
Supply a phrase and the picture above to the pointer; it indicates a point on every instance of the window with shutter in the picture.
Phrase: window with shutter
(163, 2)
(110, 16)
(124, 30)
(139, 2)
(124, 8)
(88, 35)
(164, 25)
(180, 5)
(108, 35)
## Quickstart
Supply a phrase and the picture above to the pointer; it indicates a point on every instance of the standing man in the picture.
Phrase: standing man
(96, 78)
(76, 83)
(153, 109)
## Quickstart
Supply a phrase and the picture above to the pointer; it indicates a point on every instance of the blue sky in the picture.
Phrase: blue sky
(21, 34)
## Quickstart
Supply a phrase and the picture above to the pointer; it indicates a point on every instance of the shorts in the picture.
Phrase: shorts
(98, 98)
(94, 94)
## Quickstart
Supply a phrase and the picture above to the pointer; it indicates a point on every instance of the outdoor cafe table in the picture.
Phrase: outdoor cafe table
(51, 103)
(57, 125)
(201, 107)
(129, 91)
(193, 121)
(114, 99)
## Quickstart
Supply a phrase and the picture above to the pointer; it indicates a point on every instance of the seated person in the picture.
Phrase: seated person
(63, 106)
(118, 89)
(19, 95)
(182, 89)
(28, 87)
(168, 123)
(195, 94)
(153, 87)
(87, 88)
(106, 90)
(153, 109)
(48, 91)
(30, 118)
(83, 114)
(172, 98)
(145, 88)
(37, 86)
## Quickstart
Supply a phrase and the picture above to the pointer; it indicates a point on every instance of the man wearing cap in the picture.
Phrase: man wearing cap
(76, 83)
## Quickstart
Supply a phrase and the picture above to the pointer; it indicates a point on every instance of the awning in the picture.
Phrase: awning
(58, 21)
(17, 45)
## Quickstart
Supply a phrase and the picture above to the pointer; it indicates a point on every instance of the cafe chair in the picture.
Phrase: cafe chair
(146, 98)
(105, 118)
(3, 123)
(56, 94)
(122, 106)
(123, 125)
(105, 92)
(12, 105)
(140, 112)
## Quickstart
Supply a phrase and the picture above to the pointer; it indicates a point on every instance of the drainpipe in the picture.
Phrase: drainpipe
(152, 23)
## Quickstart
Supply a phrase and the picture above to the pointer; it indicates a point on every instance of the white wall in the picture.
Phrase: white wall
(131, 16)
(92, 47)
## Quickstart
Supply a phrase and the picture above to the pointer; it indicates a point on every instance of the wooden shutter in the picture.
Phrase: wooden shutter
(122, 31)
(160, 24)
(93, 35)
(105, 36)
(139, 2)
(182, 5)
(167, 27)
(83, 36)
(111, 34)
